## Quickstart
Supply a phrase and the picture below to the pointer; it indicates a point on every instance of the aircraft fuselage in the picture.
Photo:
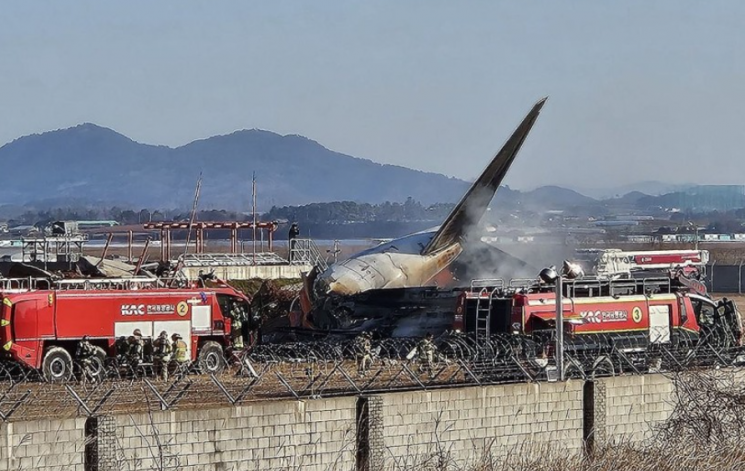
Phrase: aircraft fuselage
(395, 264)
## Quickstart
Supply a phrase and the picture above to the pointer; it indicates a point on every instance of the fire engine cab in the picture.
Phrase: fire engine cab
(603, 315)
(40, 328)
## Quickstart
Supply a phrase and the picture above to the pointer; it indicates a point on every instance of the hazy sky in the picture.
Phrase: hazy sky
(638, 90)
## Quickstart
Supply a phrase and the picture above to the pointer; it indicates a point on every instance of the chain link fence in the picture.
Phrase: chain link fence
(729, 279)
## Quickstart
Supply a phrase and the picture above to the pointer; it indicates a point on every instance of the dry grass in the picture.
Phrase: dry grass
(624, 456)
(621, 457)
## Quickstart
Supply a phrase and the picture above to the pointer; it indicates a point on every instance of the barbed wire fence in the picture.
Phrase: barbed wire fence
(324, 369)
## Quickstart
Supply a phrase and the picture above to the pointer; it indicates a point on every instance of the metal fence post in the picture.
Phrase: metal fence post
(713, 290)
(739, 278)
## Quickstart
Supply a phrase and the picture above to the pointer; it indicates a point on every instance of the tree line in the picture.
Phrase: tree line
(349, 212)
(338, 212)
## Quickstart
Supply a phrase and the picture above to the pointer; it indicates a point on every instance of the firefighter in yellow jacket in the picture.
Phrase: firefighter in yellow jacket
(180, 353)
(162, 350)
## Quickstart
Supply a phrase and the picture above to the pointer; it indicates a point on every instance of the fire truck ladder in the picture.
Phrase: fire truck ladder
(24, 284)
(483, 313)
(108, 283)
(486, 288)
(31, 284)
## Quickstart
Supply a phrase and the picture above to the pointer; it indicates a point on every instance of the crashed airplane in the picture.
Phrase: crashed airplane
(415, 260)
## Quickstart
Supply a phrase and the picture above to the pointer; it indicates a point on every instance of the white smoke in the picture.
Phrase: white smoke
(484, 260)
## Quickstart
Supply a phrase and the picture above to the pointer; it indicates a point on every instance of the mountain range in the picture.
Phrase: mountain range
(93, 165)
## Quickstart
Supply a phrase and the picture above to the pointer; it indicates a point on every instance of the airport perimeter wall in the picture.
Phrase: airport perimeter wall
(628, 408)
(378, 432)
(460, 425)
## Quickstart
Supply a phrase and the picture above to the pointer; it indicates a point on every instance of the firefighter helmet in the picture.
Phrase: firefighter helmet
(137, 333)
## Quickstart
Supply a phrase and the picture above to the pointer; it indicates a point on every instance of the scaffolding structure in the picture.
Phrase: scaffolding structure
(66, 248)
(165, 229)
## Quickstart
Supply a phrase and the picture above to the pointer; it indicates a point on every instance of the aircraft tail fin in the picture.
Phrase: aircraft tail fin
(472, 206)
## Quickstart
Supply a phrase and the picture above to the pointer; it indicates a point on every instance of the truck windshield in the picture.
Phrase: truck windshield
(226, 303)
(704, 312)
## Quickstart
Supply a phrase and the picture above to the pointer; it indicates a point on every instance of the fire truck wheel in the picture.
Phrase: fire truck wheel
(211, 359)
(57, 365)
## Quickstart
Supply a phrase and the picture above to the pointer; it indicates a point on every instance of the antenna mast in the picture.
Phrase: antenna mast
(193, 213)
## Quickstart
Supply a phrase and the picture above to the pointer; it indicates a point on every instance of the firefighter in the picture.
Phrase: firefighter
(426, 349)
(134, 354)
(84, 355)
(254, 327)
(204, 277)
(163, 269)
(162, 350)
(363, 352)
(180, 353)
(237, 316)
(122, 348)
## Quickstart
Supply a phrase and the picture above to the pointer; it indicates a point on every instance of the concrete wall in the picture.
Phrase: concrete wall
(461, 425)
(310, 435)
(43, 445)
(395, 430)
(628, 408)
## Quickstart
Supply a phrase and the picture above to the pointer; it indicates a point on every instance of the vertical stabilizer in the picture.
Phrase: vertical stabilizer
(469, 211)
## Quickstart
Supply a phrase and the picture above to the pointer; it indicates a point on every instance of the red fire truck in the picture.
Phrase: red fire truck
(40, 328)
(602, 317)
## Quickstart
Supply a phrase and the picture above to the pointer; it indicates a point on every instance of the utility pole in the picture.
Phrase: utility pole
(559, 328)
(695, 228)
(253, 198)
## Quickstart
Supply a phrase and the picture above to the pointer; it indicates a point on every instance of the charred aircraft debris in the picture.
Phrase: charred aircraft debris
(402, 272)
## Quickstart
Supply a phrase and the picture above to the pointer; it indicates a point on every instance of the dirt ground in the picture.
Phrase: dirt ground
(32, 400)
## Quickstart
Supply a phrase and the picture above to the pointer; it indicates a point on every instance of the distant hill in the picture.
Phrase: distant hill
(650, 187)
(98, 165)
(699, 198)
(555, 197)
(632, 197)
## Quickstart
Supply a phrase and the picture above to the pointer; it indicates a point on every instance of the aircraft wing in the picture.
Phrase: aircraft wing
(471, 208)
